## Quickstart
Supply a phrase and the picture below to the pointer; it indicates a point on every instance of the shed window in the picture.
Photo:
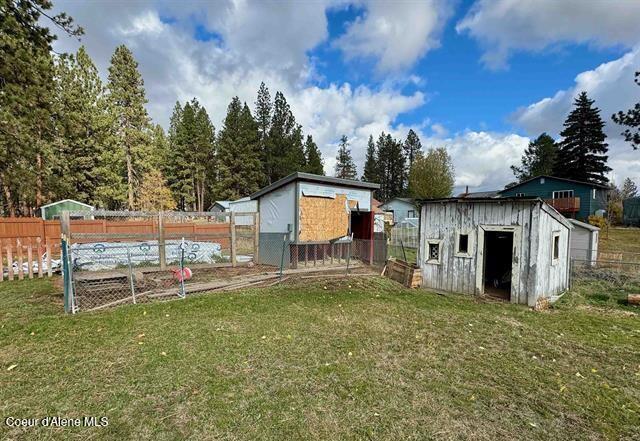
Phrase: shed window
(556, 248)
(434, 250)
(520, 195)
(411, 213)
(463, 243)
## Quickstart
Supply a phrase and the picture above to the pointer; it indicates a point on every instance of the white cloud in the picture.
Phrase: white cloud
(397, 34)
(611, 86)
(504, 26)
(176, 66)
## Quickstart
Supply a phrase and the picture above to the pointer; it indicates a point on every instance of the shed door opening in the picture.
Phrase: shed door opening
(498, 258)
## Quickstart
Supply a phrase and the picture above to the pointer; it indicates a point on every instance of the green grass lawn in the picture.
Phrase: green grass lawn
(621, 240)
(344, 359)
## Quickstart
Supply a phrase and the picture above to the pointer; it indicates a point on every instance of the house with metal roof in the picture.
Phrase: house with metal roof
(574, 199)
(52, 211)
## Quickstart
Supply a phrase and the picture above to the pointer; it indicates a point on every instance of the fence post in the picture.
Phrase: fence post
(20, 260)
(49, 251)
(183, 294)
(1, 263)
(131, 284)
(162, 251)
(10, 261)
(39, 242)
(232, 226)
(66, 274)
(30, 259)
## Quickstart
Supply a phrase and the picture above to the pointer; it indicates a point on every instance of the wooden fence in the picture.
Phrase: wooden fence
(37, 255)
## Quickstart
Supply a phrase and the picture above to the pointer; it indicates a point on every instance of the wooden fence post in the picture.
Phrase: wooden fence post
(232, 226)
(1, 263)
(20, 260)
(30, 259)
(10, 261)
(162, 251)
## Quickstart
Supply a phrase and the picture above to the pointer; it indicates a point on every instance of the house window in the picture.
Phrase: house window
(434, 250)
(556, 247)
(520, 195)
(411, 213)
(593, 193)
(542, 180)
(562, 194)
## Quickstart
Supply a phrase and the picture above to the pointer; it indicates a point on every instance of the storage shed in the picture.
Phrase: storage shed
(513, 248)
(52, 211)
(584, 241)
(311, 213)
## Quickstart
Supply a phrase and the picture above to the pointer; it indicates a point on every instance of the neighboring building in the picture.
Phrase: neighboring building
(401, 208)
(513, 248)
(631, 212)
(243, 205)
(584, 241)
(573, 199)
(479, 194)
(220, 206)
(52, 211)
(309, 214)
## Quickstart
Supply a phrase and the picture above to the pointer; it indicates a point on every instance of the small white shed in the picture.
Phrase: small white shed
(513, 248)
(584, 241)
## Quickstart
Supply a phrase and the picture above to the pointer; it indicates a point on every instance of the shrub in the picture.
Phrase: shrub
(598, 221)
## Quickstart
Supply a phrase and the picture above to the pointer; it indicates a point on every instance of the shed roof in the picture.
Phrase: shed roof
(308, 177)
(573, 181)
(479, 194)
(531, 199)
(577, 223)
(67, 200)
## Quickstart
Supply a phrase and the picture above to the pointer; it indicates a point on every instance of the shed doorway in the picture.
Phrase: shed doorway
(498, 261)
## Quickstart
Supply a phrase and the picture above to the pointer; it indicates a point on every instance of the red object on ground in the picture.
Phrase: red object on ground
(180, 276)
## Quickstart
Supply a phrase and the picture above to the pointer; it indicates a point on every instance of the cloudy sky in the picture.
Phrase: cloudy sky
(477, 77)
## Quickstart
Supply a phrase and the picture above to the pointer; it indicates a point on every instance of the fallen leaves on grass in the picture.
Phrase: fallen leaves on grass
(12, 367)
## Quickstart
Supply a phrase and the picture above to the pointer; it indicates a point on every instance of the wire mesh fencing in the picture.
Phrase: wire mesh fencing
(404, 241)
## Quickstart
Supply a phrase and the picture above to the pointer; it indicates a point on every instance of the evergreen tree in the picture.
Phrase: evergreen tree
(629, 189)
(26, 100)
(391, 168)
(314, 161)
(370, 173)
(263, 112)
(631, 119)
(202, 156)
(82, 130)
(160, 148)
(412, 148)
(432, 175)
(296, 158)
(281, 141)
(538, 159)
(582, 153)
(240, 171)
(345, 168)
(182, 182)
(132, 126)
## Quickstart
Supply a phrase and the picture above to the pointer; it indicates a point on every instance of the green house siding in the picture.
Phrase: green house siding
(53, 211)
(588, 205)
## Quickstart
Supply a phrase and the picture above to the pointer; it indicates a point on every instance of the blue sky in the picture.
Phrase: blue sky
(477, 77)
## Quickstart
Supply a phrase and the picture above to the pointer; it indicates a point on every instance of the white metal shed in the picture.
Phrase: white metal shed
(584, 241)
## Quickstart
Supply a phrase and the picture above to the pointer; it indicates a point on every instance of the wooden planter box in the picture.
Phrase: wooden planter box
(406, 273)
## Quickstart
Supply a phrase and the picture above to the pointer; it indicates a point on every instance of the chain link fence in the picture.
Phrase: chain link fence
(133, 257)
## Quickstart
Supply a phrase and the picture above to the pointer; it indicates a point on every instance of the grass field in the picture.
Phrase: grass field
(621, 240)
(345, 359)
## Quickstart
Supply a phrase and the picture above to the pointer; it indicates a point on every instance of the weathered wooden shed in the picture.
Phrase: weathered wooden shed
(513, 248)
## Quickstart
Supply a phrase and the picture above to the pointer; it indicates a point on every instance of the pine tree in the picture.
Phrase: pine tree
(82, 131)
(631, 119)
(629, 189)
(281, 141)
(313, 157)
(432, 175)
(538, 159)
(240, 171)
(391, 168)
(263, 115)
(132, 129)
(582, 153)
(202, 156)
(412, 148)
(26, 100)
(370, 173)
(296, 158)
(345, 168)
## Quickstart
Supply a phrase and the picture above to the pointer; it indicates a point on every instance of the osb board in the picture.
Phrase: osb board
(324, 218)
